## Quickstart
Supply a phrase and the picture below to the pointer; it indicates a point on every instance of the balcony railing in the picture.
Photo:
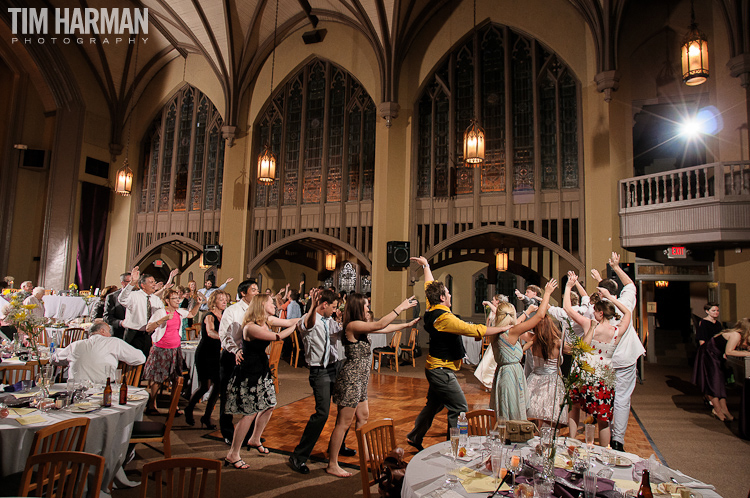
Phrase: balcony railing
(707, 203)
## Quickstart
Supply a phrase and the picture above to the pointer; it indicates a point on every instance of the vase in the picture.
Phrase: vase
(547, 436)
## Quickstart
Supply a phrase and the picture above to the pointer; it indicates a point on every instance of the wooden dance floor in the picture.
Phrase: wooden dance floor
(399, 398)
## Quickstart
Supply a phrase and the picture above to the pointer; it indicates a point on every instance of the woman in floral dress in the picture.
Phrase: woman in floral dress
(596, 391)
(350, 389)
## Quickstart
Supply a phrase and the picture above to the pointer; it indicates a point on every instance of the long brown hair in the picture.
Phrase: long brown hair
(743, 328)
(355, 309)
(545, 335)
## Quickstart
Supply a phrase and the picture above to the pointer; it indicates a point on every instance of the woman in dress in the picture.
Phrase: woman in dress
(509, 397)
(97, 311)
(207, 360)
(596, 393)
(350, 389)
(165, 358)
(250, 392)
(545, 385)
(710, 325)
(708, 374)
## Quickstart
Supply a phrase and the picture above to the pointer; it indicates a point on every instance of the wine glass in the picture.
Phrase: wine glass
(590, 432)
(500, 428)
(514, 464)
(498, 471)
(455, 437)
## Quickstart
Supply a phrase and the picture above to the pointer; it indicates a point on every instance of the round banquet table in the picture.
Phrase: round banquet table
(188, 354)
(425, 474)
(64, 308)
(108, 435)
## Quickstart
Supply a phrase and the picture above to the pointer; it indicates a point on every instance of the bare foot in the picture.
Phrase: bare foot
(338, 472)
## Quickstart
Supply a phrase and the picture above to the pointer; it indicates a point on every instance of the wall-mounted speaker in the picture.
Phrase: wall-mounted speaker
(212, 255)
(397, 254)
(628, 268)
(35, 159)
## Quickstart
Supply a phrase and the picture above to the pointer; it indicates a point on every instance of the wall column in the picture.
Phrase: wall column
(234, 233)
(391, 209)
(58, 256)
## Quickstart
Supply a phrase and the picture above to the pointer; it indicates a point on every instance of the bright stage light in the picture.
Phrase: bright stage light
(707, 121)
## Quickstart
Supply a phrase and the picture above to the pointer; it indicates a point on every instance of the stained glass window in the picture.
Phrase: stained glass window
(347, 277)
(186, 167)
(322, 102)
(528, 102)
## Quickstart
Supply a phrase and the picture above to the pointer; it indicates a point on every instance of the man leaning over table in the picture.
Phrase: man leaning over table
(114, 312)
(444, 359)
(140, 305)
(97, 357)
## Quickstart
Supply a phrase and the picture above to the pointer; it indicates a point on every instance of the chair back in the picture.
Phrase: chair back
(274, 356)
(16, 373)
(63, 474)
(486, 341)
(176, 392)
(481, 421)
(294, 359)
(193, 332)
(375, 441)
(396, 341)
(181, 478)
(42, 336)
(131, 374)
(411, 346)
(68, 435)
(71, 335)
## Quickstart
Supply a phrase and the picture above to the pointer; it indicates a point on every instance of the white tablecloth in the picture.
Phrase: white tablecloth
(64, 308)
(108, 436)
(426, 473)
(188, 354)
(473, 350)
(376, 341)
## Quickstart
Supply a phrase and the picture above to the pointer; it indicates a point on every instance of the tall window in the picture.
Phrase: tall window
(183, 164)
(321, 126)
(347, 277)
(528, 106)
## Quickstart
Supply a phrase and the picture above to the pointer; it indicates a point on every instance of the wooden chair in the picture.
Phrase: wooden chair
(486, 341)
(193, 332)
(181, 478)
(156, 432)
(391, 350)
(481, 421)
(16, 373)
(375, 441)
(70, 335)
(68, 435)
(294, 359)
(131, 374)
(411, 346)
(63, 474)
(274, 356)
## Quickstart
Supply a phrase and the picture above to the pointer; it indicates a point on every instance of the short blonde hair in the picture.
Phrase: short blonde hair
(256, 312)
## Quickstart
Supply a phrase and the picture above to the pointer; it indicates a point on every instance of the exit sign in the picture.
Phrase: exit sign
(677, 252)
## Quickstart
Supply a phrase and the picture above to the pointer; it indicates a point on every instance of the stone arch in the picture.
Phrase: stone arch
(178, 239)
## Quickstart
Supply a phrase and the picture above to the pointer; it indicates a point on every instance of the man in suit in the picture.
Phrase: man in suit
(114, 312)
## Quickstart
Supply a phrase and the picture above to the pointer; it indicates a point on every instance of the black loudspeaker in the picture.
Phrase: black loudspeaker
(628, 268)
(397, 254)
(212, 255)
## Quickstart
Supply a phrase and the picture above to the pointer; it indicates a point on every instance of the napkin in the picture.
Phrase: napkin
(18, 386)
(22, 411)
(626, 484)
(31, 419)
(478, 482)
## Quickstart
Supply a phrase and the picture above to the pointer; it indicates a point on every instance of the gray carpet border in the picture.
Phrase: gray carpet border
(648, 437)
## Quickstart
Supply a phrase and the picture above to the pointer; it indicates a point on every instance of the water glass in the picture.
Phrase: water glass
(451, 475)
(608, 457)
(497, 467)
(26, 385)
(543, 486)
(590, 432)
(589, 484)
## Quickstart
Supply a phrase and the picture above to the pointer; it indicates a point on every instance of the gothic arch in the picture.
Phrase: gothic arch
(178, 239)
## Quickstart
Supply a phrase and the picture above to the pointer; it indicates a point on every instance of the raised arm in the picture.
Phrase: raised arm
(515, 332)
(581, 291)
(614, 262)
(360, 327)
(200, 299)
(393, 327)
(275, 321)
(255, 331)
(422, 261)
(626, 314)
(595, 275)
(312, 315)
(581, 320)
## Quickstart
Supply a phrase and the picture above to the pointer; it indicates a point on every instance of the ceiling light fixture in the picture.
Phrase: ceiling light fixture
(267, 160)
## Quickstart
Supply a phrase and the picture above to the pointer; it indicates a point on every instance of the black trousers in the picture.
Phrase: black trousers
(139, 339)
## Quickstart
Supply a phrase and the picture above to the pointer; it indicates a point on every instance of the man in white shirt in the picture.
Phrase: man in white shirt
(320, 335)
(140, 305)
(97, 357)
(208, 289)
(625, 358)
(230, 334)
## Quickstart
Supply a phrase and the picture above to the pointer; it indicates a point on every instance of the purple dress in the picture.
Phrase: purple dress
(708, 373)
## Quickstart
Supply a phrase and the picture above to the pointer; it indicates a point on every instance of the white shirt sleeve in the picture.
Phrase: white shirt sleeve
(127, 353)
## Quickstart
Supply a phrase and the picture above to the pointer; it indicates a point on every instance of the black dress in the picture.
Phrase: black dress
(207, 354)
(250, 388)
(708, 373)
(706, 330)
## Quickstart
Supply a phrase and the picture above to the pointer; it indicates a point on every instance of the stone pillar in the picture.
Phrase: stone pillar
(392, 218)
(58, 248)
(234, 233)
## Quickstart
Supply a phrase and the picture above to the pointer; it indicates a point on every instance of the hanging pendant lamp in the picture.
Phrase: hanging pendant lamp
(267, 160)
(694, 54)
(474, 134)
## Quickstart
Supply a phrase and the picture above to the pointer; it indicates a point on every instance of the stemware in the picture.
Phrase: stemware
(455, 437)
(590, 432)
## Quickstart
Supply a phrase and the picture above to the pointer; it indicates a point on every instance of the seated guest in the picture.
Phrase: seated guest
(96, 358)
(26, 288)
(36, 299)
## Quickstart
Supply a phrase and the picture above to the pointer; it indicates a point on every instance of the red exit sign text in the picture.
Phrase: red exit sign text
(676, 252)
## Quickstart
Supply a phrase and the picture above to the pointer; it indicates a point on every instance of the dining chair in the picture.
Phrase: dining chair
(181, 478)
(157, 432)
(390, 350)
(411, 346)
(486, 341)
(193, 332)
(375, 441)
(68, 435)
(71, 335)
(13, 374)
(131, 374)
(274, 356)
(63, 474)
(481, 421)
(294, 359)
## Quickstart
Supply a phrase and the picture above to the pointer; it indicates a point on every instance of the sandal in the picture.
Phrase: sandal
(260, 448)
(239, 464)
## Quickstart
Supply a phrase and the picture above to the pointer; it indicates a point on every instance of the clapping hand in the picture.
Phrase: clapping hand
(595, 275)
(572, 279)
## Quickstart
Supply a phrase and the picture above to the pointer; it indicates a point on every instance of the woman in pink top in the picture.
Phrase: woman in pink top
(165, 358)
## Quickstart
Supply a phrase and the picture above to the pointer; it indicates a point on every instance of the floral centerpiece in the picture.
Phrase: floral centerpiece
(30, 327)
(73, 289)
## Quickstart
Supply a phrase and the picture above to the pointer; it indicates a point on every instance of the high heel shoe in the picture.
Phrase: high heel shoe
(206, 422)
(716, 415)
(189, 420)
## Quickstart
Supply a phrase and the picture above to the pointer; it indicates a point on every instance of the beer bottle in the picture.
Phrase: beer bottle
(645, 490)
(107, 394)
(123, 393)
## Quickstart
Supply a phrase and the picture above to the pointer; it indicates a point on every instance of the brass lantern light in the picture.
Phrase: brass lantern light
(474, 134)
(330, 261)
(124, 181)
(267, 161)
(501, 261)
(694, 54)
